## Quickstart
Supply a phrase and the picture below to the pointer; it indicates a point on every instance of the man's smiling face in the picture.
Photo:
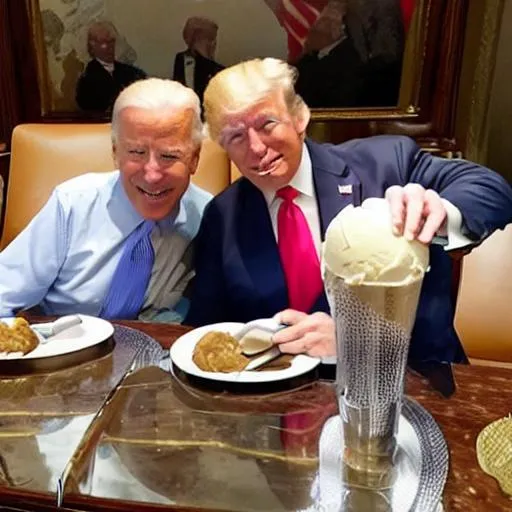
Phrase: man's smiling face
(265, 142)
(156, 156)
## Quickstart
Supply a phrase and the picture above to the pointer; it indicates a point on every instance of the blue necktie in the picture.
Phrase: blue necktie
(125, 296)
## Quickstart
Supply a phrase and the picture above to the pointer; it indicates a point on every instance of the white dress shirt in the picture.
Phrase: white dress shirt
(189, 63)
(306, 200)
(64, 260)
(108, 66)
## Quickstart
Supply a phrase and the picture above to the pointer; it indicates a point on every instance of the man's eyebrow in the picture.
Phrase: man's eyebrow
(231, 130)
(171, 150)
(266, 115)
(228, 130)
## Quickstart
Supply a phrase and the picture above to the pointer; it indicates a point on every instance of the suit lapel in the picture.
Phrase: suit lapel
(258, 247)
(335, 185)
(202, 72)
(180, 68)
(198, 71)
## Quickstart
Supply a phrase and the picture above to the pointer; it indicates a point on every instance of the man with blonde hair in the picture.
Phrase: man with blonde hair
(196, 65)
(104, 77)
(259, 242)
(118, 244)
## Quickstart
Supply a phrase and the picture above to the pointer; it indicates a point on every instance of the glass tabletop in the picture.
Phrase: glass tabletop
(44, 416)
(162, 441)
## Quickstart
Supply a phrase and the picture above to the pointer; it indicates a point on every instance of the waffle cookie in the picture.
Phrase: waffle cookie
(494, 452)
(219, 352)
(17, 338)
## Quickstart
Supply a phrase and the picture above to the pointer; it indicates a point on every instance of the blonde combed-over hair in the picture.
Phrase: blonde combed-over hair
(240, 87)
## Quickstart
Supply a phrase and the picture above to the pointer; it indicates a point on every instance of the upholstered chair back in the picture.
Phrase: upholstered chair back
(44, 155)
(484, 311)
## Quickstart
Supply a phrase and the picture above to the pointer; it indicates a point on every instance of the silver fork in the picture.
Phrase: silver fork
(268, 353)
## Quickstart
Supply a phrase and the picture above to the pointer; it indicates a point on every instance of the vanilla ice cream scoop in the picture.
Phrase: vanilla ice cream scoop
(360, 247)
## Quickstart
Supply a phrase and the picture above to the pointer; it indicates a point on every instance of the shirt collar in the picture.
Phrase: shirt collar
(327, 49)
(302, 180)
(109, 66)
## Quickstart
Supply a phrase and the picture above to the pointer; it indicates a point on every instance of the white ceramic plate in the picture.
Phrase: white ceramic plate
(90, 332)
(183, 348)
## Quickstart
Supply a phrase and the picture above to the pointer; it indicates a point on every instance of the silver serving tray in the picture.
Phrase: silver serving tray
(422, 468)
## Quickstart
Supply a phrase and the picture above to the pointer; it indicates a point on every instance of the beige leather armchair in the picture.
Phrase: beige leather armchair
(235, 173)
(44, 155)
(484, 311)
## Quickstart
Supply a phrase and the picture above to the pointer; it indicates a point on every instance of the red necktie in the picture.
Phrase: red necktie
(298, 254)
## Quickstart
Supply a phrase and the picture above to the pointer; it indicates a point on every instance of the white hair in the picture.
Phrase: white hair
(101, 26)
(159, 94)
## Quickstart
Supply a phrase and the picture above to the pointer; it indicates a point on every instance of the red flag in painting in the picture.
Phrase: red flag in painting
(296, 17)
(407, 7)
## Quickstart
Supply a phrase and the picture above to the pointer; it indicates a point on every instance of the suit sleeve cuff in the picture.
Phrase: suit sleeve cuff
(452, 233)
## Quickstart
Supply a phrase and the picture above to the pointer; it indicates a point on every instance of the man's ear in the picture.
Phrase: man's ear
(194, 160)
(302, 120)
(114, 155)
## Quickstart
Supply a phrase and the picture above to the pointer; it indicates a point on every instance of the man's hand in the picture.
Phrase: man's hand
(416, 213)
(313, 335)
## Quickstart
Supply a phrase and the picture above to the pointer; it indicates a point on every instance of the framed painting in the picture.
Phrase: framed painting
(383, 65)
(349, 53)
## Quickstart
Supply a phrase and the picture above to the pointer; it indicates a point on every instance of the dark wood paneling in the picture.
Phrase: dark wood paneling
(19, 89)
(4, 173)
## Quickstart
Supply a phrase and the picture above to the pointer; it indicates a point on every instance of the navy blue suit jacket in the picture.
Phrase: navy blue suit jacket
(239, 275)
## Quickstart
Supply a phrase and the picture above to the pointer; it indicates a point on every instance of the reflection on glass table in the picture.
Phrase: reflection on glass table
(161, 441)
(43, 416)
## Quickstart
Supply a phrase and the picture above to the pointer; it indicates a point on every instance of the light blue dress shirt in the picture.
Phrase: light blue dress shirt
(65, 258)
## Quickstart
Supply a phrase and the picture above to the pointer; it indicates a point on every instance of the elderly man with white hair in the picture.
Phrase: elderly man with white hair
(118, 244)
(104, 77)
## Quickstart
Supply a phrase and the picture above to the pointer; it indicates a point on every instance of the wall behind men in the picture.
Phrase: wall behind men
(150, 34)
(247, 28)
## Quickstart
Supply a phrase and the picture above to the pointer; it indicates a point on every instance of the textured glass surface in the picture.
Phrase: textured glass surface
(373, 324)
(158, 440)
(43, 416)
(161, 441)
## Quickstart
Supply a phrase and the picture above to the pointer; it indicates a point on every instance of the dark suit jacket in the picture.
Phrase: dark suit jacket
(204, 70)
(97, 89)
(239, 275)
(343, 79)
(335, 80)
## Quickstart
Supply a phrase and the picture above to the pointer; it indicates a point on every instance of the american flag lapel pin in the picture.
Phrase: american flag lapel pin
(345, 190)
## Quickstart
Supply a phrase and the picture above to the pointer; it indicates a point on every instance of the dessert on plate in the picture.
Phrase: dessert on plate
(17, 338)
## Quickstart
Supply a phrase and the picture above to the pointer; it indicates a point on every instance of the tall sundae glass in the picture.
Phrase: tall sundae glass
(373, 281)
